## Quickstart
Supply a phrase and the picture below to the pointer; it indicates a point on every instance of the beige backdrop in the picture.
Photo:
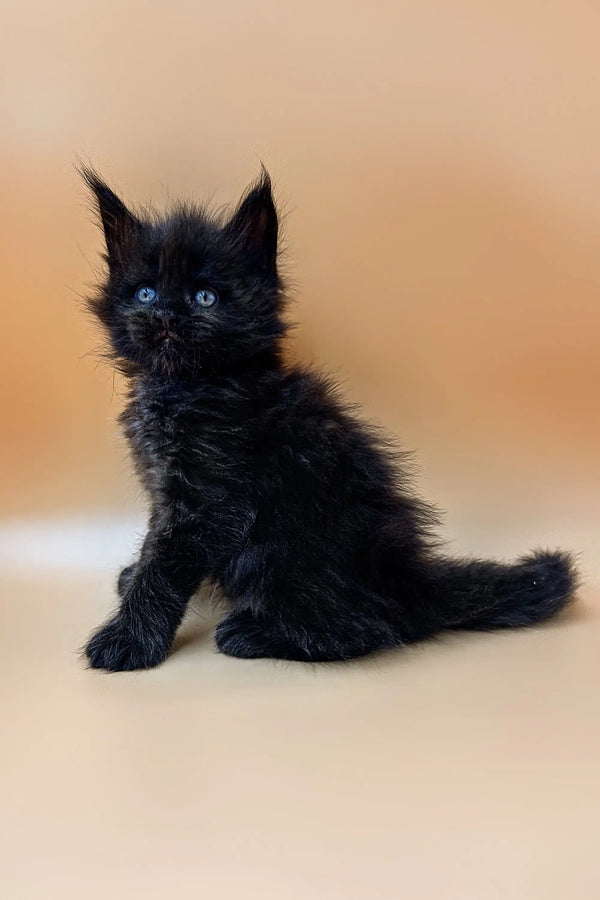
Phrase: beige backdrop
(439, 169)
(438, 164)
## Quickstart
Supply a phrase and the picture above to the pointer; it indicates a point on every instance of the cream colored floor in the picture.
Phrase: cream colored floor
(468, 767)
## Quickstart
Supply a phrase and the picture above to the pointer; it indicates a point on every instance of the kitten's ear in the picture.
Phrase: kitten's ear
(117, 221)
(254, 223)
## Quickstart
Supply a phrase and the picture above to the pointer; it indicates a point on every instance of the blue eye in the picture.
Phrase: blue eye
(145, 294)
(206, 297)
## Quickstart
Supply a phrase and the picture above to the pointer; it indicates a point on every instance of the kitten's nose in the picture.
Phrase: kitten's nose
(168, 320)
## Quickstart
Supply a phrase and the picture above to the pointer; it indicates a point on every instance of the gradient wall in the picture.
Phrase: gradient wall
(438, 165)
(439, 169)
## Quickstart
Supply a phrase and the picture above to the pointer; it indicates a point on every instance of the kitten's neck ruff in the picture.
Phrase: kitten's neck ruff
(267, 361)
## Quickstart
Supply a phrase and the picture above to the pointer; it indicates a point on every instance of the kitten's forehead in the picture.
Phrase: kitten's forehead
(182, 245)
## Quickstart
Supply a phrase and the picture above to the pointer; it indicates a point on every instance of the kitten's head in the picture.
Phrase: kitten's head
(189, 293)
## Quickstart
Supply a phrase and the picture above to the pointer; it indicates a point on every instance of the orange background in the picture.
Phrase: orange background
(438, 165)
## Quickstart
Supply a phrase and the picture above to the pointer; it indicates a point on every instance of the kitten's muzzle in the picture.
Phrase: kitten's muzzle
(168, 323)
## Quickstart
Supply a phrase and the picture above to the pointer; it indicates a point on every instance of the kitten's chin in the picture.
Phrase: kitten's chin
(166, 357)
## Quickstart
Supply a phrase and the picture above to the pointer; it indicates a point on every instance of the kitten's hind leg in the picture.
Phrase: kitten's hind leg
(126, 577)
(249, 636)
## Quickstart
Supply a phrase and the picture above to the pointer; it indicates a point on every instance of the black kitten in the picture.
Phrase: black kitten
(258, 475)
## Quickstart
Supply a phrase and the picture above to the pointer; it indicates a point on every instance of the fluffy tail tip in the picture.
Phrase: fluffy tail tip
(548, 581)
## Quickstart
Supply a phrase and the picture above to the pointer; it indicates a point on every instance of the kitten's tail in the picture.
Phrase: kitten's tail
(484, 595)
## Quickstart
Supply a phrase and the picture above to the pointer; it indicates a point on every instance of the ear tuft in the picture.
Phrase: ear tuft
(117, 221)
(254, 223)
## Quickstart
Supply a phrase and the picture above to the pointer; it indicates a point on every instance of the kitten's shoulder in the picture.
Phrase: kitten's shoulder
(307, 392)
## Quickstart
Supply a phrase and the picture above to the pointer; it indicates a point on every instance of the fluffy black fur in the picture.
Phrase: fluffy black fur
(258, 475)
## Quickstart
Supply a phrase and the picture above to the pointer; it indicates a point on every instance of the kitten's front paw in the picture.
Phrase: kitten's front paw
(117, 649)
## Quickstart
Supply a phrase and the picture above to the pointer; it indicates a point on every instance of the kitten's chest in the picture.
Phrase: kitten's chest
(183, 449)
(151, 428)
